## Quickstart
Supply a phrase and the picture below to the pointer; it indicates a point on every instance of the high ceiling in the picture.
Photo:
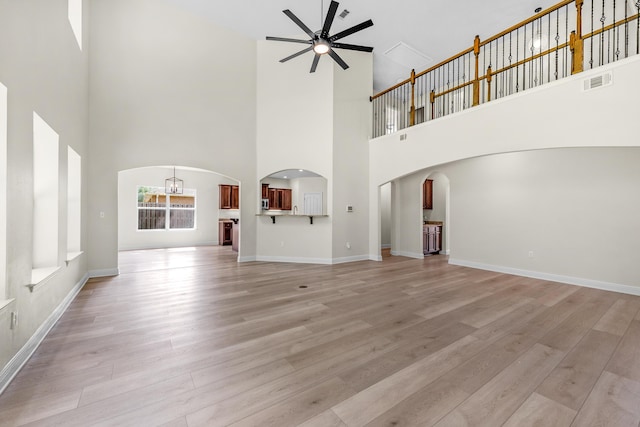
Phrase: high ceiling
(436, 29)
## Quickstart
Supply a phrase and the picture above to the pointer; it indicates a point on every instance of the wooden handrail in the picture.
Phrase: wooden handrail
(422, 73)
(528, 21)
(575, 43)
(610, 26)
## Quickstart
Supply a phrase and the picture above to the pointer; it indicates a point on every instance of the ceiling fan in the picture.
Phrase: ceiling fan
(321, 42)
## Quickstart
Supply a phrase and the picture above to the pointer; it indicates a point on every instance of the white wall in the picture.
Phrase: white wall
(167, 87)
(314, 121)
(575, 209)
(207, 212)
(559, 114)
(43, 70)
(385, 215)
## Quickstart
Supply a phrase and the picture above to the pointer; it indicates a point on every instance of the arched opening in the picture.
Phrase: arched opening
(155, 213)
(436, 225)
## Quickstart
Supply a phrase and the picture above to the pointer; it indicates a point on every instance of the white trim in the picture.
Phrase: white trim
(106, 272)
(354, 258)
(417, 255)
(375, 257)
(324, 261)
(17, 362)
(578, 281)
(73, 255)
(385, 246)
(246, 258)
(40, 276)
(4, 303)
(294, 260)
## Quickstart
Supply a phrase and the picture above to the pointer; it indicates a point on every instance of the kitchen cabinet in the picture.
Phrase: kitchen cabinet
(280, 199)
(432, 238)
(229, 196)
(265, 191)
(427, 194)
(225, 233)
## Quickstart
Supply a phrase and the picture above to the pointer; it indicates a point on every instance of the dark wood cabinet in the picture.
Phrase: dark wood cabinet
(427, 194)
(265, 191)
(229, 196)
(225, 233)
(280, 199)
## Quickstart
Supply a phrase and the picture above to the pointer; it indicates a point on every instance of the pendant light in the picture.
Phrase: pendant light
(173, 185)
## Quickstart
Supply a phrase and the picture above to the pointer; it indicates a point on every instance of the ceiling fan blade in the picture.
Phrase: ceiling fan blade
(296, 54)
(333, 8)
(282, 39)
(337, 58)
(352, 47)
(300, 24)
(314, 64)
(349, 31)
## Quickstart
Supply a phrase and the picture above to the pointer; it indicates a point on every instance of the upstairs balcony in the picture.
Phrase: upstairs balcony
(565, 39)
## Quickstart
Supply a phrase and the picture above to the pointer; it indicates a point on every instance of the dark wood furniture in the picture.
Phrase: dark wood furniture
(229, 196)
(225, 233)
(280, 199)
(427, 194)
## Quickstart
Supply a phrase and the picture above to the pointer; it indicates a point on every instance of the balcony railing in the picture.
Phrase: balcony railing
(546, 47)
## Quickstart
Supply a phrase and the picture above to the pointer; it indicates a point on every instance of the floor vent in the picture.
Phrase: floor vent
(598, 81)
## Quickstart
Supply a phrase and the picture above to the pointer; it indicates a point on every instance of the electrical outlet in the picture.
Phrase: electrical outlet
(282, 244)
(101, 214)
(14, 320)
(348, 245)
(530, 254)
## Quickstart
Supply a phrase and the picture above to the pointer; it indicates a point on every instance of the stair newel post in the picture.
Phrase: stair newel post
(412, 112)
(476, 81)
(576, 42)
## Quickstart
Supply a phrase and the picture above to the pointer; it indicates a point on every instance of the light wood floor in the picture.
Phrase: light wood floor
(188, 337)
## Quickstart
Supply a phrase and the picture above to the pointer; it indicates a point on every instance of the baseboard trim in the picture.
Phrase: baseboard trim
(385, 246)
(417, 255)
(347, 259)
(247, 258)
(107, 272)
(375, 258)
(578, 281)
(294, 260)
(323, 261)
(12, 368)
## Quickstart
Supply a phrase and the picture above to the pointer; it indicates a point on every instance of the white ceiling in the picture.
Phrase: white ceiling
(437, 29)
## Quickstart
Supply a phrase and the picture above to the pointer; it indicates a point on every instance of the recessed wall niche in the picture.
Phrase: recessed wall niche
(294, 192)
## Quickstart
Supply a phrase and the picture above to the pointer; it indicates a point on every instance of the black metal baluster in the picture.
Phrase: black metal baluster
(602, 19)
(517, 59)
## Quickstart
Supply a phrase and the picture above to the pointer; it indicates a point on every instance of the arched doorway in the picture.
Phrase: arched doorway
(436, 224)
(153, 215)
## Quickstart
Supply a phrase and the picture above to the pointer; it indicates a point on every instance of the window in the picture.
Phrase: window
(154, 207)
(3, 191)
(74, 203)
(45, 199)
(75, 19)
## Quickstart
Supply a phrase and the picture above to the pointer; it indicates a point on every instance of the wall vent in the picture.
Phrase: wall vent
(403, 137)
(598, 81)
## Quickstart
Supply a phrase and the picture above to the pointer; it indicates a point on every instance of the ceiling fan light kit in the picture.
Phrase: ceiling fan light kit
(321, 42)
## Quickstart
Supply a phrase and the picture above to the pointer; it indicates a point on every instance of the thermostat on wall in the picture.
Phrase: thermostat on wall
(349, 208)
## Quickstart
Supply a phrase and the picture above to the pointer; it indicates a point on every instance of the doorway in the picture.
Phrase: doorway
(436, 224)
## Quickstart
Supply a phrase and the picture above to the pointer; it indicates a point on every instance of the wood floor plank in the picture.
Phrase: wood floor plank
(612, 402)
(617, 319)
(190, 337)
(383, 395)
(498, 399)
(571, 381)
(626, 359)
(539, 411)
(300, 407)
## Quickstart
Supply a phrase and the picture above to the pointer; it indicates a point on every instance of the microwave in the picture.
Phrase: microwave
(265, 204)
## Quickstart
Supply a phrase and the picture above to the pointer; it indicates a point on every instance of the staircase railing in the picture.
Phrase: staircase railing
(543, 48)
